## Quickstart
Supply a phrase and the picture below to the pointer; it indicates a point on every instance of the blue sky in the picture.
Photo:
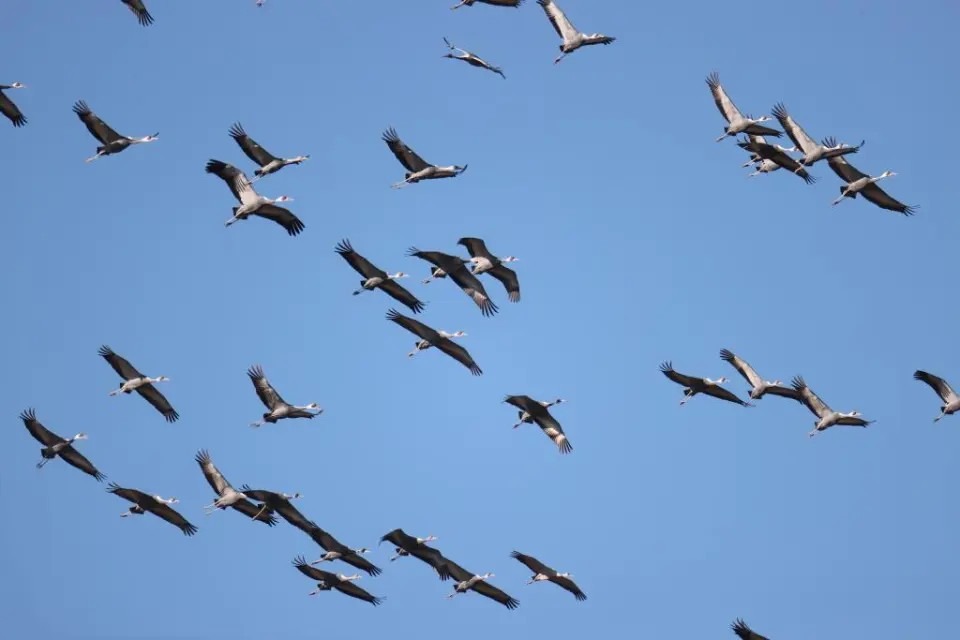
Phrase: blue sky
(640, 241)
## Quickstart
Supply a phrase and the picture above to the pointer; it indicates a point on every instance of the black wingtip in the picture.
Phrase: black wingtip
(344, 247)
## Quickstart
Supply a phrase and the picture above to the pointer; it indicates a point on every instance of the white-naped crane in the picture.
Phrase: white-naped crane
(266, 161)
(736, 121)
(826, 417)
(812, 152)
(251, 202)
(454, 267)
(525, 418)
(466, 581)
(7, 106)
(862, 184)
(951, 401)
(495, 3)
(327, 581)
(744, 632)
(430, 337)
(133, 380)
(407, 545)
(417, 168)
(54, 445)
(436, 273)
(694, 385)
(760, 148)
(758, 386)
(572, 37)
(485, 262)
(160, 507)
(111, 142)
(279, 409)
(471, 58)
(140, 10)
(279, 503)
(227, 496)
(336, 550)
(376, 278)
(542, 572)
(540, 414)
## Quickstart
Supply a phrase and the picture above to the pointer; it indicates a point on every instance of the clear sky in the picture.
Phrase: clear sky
(640, 240)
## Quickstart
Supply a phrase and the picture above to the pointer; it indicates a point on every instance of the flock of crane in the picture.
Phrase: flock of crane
(263, 505)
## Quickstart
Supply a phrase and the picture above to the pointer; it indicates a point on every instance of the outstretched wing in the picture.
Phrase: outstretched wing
(159, 509)
(938, 384)
(360, 264)
(569, 585)
(314, 574)
(809, 398)
(76, 459)
(10, 109)
(152, 395)
(139, 10)
(216, 480)
(283, 217)
(414, 326)
(717, 391)
(474, 289)
(238, 182)
(502, 3)
(459, 354)
(680, 378)
(349, 588)
(726, 106)
(255, 512)
(533, 564)
(749, 373)
(407, 156)
(97, 127)
(795, 132)
(250, 146)
(265, 391)
(784, 392)
(484, 588)
(508, 277)
(402, 295)
(476, 247)
(558, 19)
(120, 364)
(40, 433)
(744, 632)
(884, 200)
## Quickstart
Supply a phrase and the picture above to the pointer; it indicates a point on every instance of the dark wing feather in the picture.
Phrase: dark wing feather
(546, 4)
(10, 109)
(432, 557)
(159, 509)
(472, 286)
(667, 369)
(459, 354)
(401, 294)
(882, 199)
(414, 326)
(152, 395)
(235, 179)
(742, 367)
(509, 279)
(717, 391)
(40, 433)
(76, 459)
(846, 171)
(720, 97)
(283, 217)
(315, 574)
(139, 10)
(251, 510)
(400, 538)
(265, 391)
(358, 561)
(292, 515)
(214, 478)
(250, 146)
(97, 127)
(120, 364)
(484, 588)
(407, 156)
(349, 588)
(348, 555)
(938, 384)
(476, 247)
(744, 632)
(784, 392)
(455, 571)
(525, 403)
(360, 264)
(569, 585)
(771, 153)
(533, 564)
(502, 3)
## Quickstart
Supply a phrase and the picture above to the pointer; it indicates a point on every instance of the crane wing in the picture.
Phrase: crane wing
(139, 10)
(237, 180)
(749, 373)
(152, 395)
(508, 277)
(459, 354)
(250, 147)
(744, 632)
(938, 384)
(10, 109)
(39, 432)
(97, 127)
(533, 564)
(784, 392)
(571, 586)
(717, 391)
(255, 512)
(151, 504)
(414, 326)
(401, 294)
(314, 574)
(809, 398)
(502, 3)
(525, 403)
(349, 588)
(120, 364)
(265, 391)
(680, 378)
(76, 459)
(796, 133)
(407, 156)
(875, 194)
(554, 431)
(360, 264)
(216, 480)
(726, 106)
(356, 560)
(474, 289)
(484, 588)
(558, 19)
(283, 217)
(846, 171)
(773, 154)
(476, 247)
